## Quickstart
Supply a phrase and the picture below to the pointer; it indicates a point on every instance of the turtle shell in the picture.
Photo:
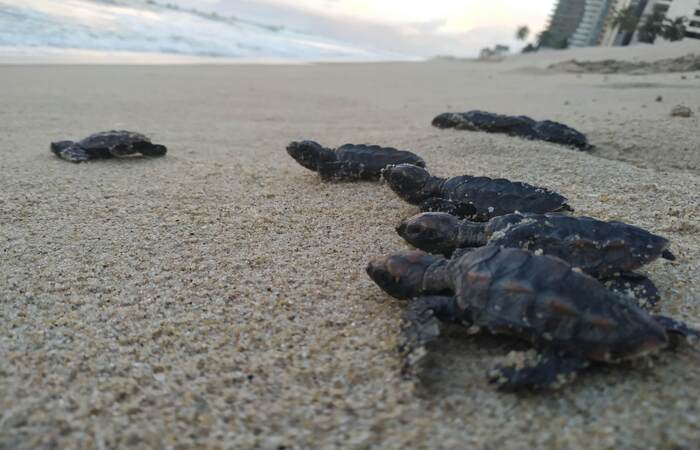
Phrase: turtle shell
(545, 301)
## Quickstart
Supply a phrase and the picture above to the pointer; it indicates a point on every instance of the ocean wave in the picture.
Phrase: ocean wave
(152, 27)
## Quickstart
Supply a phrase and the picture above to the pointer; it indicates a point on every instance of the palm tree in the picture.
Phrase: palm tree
(651, 27)
(626, 21)
(522, 33)
(543, 38)
(674, 30)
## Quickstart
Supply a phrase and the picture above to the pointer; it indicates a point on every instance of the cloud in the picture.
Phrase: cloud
(442, 31)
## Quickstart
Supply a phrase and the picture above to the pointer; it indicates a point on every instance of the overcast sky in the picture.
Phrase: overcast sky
(418, 27)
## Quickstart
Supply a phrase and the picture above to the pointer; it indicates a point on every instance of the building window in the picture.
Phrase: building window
(694, 23)
(697, 12)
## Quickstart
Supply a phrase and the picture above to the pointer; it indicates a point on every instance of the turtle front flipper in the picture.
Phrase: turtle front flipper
(344, 170)
(70, 152)
(634, 285)
(548, 369)
(459, 209)
(421, 325)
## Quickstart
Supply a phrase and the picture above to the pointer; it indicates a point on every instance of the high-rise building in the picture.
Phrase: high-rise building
(563, 23)
(597, 16)
(613, 34)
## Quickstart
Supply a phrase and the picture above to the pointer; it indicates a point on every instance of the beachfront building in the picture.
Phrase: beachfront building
(597, 16)
(563, 22)
(672, 9)
(583, 23)
(657, 5)
(689, 9)
(613, 34)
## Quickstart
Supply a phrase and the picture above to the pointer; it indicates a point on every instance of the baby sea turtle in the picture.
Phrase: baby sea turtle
(569, 317)
(477, 198)
(521, 126)
(107, 144)
(350, 161)
(596, 247)
(609, 251)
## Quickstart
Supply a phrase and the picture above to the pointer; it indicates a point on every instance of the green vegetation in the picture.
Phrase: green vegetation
(522, 33)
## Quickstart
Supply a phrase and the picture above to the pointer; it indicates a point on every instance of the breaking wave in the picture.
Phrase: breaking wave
(148, 26)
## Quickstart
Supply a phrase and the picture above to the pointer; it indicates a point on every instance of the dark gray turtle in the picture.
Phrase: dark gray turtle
(107, 144)
(477, 198)
(596, 247)
(609, 251)
(521, 126)
(350, 161)
(569, 317)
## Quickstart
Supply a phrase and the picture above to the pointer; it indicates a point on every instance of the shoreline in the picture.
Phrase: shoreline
(75, 56)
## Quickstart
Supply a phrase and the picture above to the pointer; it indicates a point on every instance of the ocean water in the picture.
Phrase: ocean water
(155, 27)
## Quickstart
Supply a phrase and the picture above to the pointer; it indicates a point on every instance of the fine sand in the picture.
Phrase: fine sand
(217, 298)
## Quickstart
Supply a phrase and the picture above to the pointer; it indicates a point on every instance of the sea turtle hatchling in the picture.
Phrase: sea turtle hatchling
(597, 247)
(609, 251)
(477, 198)
(350, 161)
(568, 316)
(107, 144)
(521, 126)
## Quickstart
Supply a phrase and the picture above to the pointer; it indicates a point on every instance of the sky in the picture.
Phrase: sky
(419, 27)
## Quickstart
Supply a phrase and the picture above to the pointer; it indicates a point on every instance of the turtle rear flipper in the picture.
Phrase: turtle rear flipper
(548, 369)
(678, 330)
(459, 209)
(636, 286)
(565, 208)
(667, 254)
(421, 325)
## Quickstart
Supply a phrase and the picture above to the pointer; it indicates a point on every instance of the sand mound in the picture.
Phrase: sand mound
(687, 63)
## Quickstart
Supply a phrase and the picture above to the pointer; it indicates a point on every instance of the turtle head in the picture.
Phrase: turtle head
(432, 232)
(408, 181)
(401, 275)
(58, 146)
(445, 120)
(309, 154)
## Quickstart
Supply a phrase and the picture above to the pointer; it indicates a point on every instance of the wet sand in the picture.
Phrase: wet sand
(216, 297)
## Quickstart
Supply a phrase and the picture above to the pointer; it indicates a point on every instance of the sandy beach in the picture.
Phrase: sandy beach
(217, 297)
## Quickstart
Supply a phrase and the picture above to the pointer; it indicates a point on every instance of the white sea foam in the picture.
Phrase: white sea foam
(150, 27)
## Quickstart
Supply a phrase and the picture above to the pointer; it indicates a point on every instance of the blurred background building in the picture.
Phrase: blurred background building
(689, 9)
(565, 20)
(596, 18)
(582, 23)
